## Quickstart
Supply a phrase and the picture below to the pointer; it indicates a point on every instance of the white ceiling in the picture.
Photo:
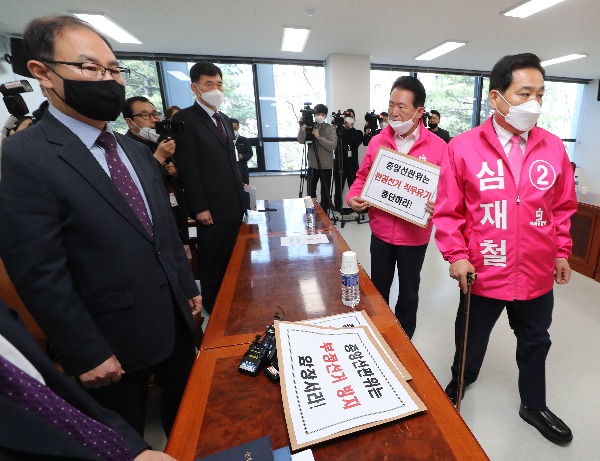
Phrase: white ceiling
(390, 31)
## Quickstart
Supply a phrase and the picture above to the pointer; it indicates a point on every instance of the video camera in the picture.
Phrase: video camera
(167, 128)
(425, 117)
(15, 104)
(372, 120)
(337, 118)
(308, 117)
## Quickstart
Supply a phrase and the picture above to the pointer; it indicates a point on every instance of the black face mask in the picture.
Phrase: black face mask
(95, 99)
(433, 126)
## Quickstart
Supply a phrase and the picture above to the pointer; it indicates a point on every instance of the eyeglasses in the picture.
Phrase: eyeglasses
(96, 71)
(146, 115)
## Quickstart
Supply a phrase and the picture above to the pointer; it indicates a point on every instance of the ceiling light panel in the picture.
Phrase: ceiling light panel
(294, 39)
(439, 50)
(108, 27)
(524, 10)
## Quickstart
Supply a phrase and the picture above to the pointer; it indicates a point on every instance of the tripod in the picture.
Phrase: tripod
(338, 171)
(307, 172)
(345, 168)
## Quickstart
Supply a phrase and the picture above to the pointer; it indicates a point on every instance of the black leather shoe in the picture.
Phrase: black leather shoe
(549, 425)
(452, 390)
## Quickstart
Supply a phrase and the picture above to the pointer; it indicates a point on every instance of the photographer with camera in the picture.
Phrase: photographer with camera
(322, 136)
(434, 121)
(394, 241)
(141, 115)
(349, 138)
(373, 125)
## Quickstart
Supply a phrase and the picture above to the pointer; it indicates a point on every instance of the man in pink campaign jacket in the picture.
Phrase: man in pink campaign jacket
(503, 209)
(394, 241)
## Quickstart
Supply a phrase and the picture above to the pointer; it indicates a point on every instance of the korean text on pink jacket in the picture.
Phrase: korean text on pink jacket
(511, 235)
(387, 227)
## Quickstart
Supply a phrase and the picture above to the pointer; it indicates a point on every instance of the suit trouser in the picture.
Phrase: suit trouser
(244, 172)
(215, 245)
(529, 321)
(385, 257)
(348, 174)
(324, 176)
(129, 396)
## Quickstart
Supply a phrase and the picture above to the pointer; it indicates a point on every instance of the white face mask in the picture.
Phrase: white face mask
(401, 128)
(236, 133)
(149, 133)
(213, 97)
(319, 119)
(522, 116)
(349, 121)
(383, 125)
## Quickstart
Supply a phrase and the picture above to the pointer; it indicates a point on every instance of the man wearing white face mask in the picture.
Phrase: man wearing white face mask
(346, 156)
(503, 211)
(396, 243)
(320, 168)
(210, 175)
(141, 115)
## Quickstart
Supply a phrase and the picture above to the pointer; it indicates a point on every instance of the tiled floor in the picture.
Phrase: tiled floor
(490, 407)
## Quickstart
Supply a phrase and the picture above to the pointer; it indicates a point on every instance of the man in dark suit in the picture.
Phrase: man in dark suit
(87, 235)
(244, 150)
(25, 434)
(433, 123)
(208, 170)
(141, 115)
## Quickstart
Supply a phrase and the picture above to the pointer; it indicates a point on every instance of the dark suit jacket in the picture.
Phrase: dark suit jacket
(172, 185)
(444, 134)
(244, 148)
(208, 166)
(84, 266)
(23, 434)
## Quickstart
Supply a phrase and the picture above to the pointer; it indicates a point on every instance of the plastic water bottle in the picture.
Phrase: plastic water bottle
(576, 183)
(350, 287)
(350, 290)
(310, 212)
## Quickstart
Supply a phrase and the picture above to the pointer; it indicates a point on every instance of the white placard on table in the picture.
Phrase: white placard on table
(356, 319)
(295, 240)
(335, 381)
(401, 185)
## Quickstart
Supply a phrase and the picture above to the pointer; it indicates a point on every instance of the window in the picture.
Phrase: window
(240, 103)
(381, 84)
(452, 96)
(561, 99)
(267, 99)
(271, 123)
(486, 109)
(142, 82)
(283, 90)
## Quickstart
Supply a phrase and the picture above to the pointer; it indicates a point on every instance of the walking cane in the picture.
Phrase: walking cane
(463, 348)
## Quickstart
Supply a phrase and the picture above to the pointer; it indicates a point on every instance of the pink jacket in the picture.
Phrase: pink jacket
(388, 227)
(511, 236)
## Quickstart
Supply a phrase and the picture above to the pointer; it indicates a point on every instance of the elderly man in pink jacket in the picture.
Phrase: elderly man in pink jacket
(394, 241)
(503, 211)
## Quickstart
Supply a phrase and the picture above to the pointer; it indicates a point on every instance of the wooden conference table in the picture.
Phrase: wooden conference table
(585, 232)
(222, 408)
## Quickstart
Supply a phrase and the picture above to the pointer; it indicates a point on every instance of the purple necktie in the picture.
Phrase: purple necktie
(29, 393)
(220, 126)
(122, 179)
(515, 158)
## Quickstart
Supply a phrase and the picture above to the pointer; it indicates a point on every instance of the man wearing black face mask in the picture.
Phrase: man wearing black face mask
(88, 239)
(434, 121)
